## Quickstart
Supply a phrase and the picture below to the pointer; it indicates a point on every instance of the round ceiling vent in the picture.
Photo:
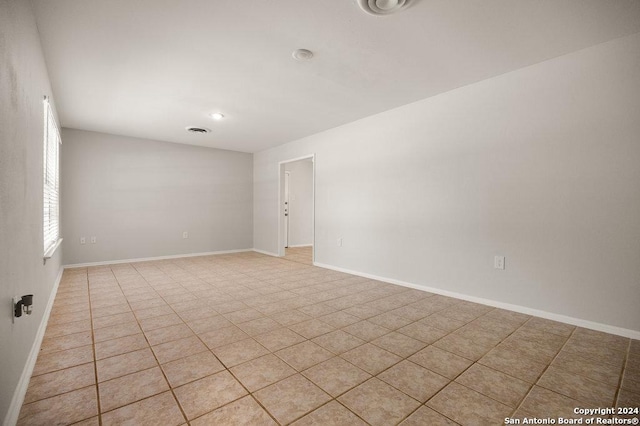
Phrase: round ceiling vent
(193, 129)
(302, 54)
(382, 7)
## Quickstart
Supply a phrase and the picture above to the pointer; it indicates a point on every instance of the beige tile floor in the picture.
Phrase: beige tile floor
(250, 339)
(299, 254)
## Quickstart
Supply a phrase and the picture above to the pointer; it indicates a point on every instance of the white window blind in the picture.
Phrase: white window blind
(51, 222)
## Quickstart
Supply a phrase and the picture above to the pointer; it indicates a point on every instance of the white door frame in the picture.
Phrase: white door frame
(281, 164)
(287, 208)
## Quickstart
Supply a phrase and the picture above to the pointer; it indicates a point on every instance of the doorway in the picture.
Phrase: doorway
(296, 209)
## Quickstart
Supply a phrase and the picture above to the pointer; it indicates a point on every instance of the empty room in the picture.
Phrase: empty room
(335, 212)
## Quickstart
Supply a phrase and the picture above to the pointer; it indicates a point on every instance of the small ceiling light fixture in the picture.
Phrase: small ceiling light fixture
(193, 129)
(302, 54)
(217, 116)
(382, 7)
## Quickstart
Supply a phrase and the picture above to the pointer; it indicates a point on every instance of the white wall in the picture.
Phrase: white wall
(23, 84)
(541, 165)
(300, 202)
(138, 196)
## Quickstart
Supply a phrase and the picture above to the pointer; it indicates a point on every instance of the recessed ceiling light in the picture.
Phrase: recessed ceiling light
(382, 7)
(302, 54)
(194, 129)
(217, 116)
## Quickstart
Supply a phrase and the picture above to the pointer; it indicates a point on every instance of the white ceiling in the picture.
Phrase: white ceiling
(149, 68)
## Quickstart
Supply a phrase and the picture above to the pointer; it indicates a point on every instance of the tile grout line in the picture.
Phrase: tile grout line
(93, 348)
(622, 373)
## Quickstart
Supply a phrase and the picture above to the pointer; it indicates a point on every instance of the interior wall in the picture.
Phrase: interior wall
(138, 196)
(300, 202)
(23, 85)
(539, 165)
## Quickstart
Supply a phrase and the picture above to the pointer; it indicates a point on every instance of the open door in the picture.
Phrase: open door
(296, 205)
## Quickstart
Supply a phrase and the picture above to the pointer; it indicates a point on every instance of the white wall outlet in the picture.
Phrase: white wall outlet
(498, 262)
(340, 242)
(185, 234)
(93, 240)
(83, 240)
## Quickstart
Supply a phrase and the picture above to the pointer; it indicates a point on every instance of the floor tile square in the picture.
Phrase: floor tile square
(138, 386)
(336, 376)
(161, 409)
(390, 321)
(371, 358)
(466, 406)
(170, 351)
(494, 384)
(116, 331)
(53, 361)
(338, 341)
(168, 334)
(69, 341)
(304, 355)
(426, 416)
(207, 394)
(513, 364)
(244, 411)
(463, 347)
(339, 319)
(414, 380)
(379, 403)
(291, 398)
(577, 387)
(287, 318)
(279, 339)
(121, 365)
(61, 381)
(399, 344)
(332, 413)
(312, 328)
(422, 332)
(66, 408)
(366, 330)
(120, 346)
(222, 337)
(239, 352)
(442, 362)
(194, 367)
(259, 326)
(541, 402)
(262, 372)
(208, 324)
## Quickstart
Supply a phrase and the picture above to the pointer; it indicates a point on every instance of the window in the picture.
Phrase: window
(51, 187)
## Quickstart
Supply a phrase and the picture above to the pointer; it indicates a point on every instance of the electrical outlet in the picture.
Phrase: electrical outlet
(498, 262)
(93, 240)
(340, 242)
(185, 234)
(83, 240)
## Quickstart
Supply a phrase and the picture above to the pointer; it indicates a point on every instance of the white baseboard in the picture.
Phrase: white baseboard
(300, 245)
(268, 253)
(21, 390)
(625, 332)
(147, 259)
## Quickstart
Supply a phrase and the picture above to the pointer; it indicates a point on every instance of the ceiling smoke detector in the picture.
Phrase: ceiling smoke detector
(192, 129)
(382, 7)
(302, 54)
